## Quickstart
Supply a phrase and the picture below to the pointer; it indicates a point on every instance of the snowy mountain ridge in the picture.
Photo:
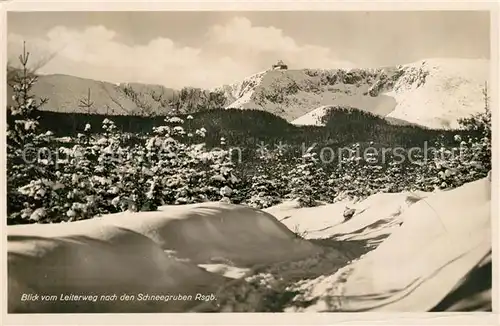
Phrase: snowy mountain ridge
(434, 93)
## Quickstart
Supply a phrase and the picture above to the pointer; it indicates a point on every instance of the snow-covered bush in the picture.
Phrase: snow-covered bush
(470, 157)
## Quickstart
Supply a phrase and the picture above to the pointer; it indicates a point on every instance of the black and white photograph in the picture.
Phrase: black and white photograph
(249, 161)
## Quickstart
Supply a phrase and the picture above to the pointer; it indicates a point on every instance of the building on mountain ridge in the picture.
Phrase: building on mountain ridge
(280, 66)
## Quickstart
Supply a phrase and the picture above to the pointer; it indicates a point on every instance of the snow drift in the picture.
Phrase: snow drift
(442, 238)
(90, 259)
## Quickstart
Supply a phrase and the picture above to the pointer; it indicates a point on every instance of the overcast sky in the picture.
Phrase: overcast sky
(207, 49)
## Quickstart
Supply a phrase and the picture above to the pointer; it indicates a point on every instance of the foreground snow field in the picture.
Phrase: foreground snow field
(441, 238)
(398, 252)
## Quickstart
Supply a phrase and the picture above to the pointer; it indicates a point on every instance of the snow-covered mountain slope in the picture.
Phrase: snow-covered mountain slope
(437, 92)
(373, 216)
(434, 93)
(314, 117)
